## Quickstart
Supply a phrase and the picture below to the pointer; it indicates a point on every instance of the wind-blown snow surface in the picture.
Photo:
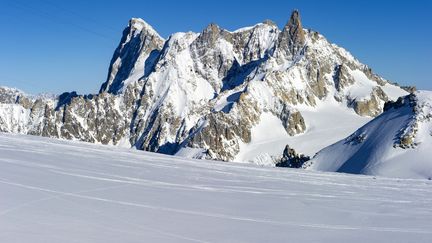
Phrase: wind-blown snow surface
(62, 191)
(398, 143)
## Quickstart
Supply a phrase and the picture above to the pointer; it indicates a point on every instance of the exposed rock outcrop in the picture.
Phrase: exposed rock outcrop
(291, 159)
(342, 78)
(371, 107)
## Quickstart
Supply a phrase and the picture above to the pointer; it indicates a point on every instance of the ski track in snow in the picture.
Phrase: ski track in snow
(54, 190)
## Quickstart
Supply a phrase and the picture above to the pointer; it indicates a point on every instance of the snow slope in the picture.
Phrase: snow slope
(63, 191)
(398, 143)
(326, 124)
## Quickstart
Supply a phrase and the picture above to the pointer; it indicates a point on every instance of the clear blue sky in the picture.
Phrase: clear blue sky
(55, 46)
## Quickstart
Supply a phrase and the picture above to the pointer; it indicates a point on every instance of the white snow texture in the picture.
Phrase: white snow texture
(64, 191)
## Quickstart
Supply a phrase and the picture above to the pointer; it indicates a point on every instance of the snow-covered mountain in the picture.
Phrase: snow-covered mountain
(229, 95)
(398, 143)
(64, 191)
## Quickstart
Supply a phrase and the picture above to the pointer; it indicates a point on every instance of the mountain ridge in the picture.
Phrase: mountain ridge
(203, 94)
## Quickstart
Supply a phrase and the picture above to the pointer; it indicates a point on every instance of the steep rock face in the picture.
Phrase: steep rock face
(342, 78)
(369, 107)
(202, 94)
(292, 38)
(134, 57)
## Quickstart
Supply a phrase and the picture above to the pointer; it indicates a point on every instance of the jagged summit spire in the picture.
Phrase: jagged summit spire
(292, 37)
(295, 27)
(295, 17)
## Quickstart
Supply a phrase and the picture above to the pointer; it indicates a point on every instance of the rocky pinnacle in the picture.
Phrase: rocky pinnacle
(292, 37)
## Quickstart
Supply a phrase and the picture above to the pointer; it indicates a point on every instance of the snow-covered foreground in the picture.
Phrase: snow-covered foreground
(62, 191)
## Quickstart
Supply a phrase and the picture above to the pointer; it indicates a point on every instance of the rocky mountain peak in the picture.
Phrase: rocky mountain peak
(211, 34)
(212, 27)
(138, 24)
(139, 41)
(295, 20)
(292, 38)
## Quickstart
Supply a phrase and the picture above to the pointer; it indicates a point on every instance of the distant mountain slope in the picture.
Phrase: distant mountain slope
(211, 94)
(398, 143)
